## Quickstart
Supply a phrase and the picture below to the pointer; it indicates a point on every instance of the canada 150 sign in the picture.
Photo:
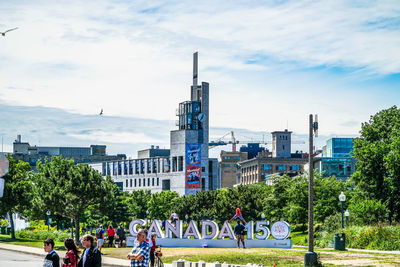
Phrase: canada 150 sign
(209, 230)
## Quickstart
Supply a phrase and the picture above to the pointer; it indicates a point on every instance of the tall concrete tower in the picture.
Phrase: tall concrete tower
(281, 144)
(189, 144)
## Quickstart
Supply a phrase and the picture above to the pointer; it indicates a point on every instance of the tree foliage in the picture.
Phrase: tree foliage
(16, 197)
(378, 160)
(68, 190)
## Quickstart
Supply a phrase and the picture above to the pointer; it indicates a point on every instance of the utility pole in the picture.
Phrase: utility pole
(310, 257)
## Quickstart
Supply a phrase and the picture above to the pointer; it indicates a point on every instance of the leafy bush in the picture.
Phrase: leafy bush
(367, 211)
(3, 223)
(332, 223)
(381, 237)
(41, 235)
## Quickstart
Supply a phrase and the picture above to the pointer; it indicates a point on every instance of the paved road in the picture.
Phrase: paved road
(17, 259)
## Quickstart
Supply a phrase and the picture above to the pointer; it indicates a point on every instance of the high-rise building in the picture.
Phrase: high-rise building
(185, 167)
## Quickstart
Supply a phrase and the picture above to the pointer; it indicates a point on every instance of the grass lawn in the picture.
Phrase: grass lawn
(281, 257)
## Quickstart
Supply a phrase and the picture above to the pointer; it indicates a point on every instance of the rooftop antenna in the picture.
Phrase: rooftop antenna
(195, 74)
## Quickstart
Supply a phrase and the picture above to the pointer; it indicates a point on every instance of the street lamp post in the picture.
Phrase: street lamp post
(311, 257)
(48, 213)
(346, 213)
(342, 199)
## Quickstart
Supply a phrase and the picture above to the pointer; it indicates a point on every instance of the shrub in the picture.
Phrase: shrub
(367, 211)
(41, 235)
(3, 223)
(380, 237)
(332, 223)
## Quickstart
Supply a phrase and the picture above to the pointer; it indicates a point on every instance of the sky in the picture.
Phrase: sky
(269, 64)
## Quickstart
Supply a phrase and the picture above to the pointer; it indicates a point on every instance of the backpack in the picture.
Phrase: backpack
(98, 233)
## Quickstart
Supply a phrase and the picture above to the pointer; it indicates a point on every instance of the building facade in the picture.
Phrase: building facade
(281, 161)
(230, 171)
(335, 159)
(32, 154)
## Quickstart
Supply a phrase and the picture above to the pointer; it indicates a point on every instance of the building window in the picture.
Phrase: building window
(131, 182)
(180, 163)
(144, 181)
(126, 183)
(148, 181)
(158, 181)
(203, 169)
(152, 182)
(140, 182)
(166, 184)
(135, 183)
(227, 165)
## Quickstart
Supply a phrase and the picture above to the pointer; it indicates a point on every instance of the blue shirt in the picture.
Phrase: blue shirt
(142, 249)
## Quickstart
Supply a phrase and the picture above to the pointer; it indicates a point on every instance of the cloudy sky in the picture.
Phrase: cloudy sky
(269, 65)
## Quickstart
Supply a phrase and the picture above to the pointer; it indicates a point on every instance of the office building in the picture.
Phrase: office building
(335, 159)
(230, 170)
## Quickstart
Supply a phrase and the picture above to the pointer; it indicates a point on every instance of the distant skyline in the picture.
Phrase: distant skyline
(269, 65)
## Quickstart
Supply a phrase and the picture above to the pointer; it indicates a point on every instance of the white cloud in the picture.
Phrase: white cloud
(134, 59)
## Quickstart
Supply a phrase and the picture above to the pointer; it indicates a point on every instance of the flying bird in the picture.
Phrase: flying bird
(4, 33)
(101, 112)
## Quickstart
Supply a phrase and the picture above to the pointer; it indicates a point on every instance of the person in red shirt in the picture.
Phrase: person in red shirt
(153, 249)
(110, 234)
(238, 215)
(72, 256)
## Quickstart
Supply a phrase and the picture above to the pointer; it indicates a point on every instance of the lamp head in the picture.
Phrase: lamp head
(347, 213)
(342, 197)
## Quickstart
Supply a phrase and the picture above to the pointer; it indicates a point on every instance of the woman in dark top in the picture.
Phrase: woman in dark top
(72, 256)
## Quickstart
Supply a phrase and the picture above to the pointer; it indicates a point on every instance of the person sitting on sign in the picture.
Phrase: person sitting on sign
(238, 215)
(174, 218)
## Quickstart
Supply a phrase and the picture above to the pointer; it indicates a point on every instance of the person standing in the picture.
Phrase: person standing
(52, 259)
(121, 234)
(140, 253)
(110, 234)
(239, 233)
(72, 255)
(100, 237)
(153, 247)
(91, 256)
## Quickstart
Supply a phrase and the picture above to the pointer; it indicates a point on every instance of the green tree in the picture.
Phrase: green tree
(17, 186)
(137, 203)
(68, 190)
(327, 191)
(162, 203)
(297, 196)
(378, 159)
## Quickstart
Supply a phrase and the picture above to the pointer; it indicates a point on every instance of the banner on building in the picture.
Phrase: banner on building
(193, 155)
(193, 166)
(193, 176)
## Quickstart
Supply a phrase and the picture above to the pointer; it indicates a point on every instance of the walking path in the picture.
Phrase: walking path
(106, 261)
(359, 250)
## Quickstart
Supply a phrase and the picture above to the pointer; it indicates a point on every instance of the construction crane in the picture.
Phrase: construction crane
(233, 141)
